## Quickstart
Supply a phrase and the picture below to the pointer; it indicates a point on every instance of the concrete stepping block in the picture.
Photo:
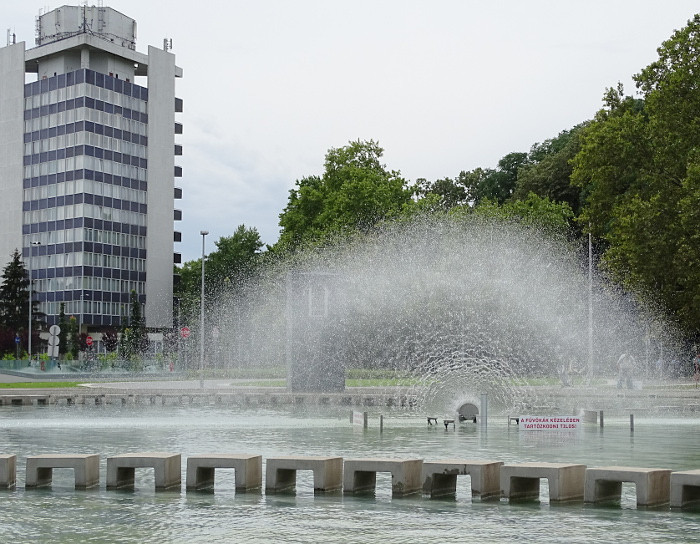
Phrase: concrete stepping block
(201, 470)
(522, 481)
(440, 477)
(604, 484)
(281, 473)
(685, 489)
(167, 469)
(360, 475)
(8, 471)
(40, 469)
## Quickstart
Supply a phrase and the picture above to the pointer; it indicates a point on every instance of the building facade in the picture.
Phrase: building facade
(87, 167)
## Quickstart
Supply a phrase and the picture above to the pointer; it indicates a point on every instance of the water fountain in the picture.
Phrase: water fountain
(464, 309)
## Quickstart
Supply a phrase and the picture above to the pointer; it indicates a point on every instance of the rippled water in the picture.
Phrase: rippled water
(64, 515)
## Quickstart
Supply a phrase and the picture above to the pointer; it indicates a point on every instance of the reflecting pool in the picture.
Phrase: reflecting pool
(62, 514)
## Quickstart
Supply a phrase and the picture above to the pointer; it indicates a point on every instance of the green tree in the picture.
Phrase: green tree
(235, 257)
(72, 338)
(473, 186)
(547, 172)
(356, 191)
(134, 339)
(613, 159)
(14, 297)
(63, 347)
(449, 193)
(638, 170)
(110, 340)
(542, 213)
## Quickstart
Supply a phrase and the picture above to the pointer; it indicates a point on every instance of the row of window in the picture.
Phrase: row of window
(111, 261)
(63, 236)
(96, 307)
(75, 175)
(138, 113)
(74, 79)
(61, 260)
(88, 150)
(116, 122)
(104, 141)
(81, 162)
(84, 210)
(71, 283)
(87, 126)
(88, 186)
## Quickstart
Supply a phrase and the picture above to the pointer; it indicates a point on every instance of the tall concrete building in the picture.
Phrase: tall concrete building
(87, 166)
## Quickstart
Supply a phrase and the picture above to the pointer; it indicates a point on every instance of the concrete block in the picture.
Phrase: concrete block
(200, 470)
(361, 475)
(8, 471)
(685, 489)
(440, 477)
(85, 466)
(281, 473)
(167, 469)
(604, 484)
(522, 481)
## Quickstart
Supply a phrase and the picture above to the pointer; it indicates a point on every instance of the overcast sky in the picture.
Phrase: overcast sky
(444, 86)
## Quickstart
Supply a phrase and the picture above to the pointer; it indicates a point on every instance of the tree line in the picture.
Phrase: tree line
(630, 177)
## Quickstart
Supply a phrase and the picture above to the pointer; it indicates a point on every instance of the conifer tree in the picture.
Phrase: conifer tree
(14, 297)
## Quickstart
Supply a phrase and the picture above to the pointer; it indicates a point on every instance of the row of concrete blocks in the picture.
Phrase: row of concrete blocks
(489, 479)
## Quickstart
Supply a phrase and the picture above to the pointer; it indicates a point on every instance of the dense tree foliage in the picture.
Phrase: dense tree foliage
(638, 171)
(356, 191)
(236, 258)
(547, 171)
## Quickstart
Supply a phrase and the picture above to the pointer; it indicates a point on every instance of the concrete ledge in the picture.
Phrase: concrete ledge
(201, 468)
(604, 484)
(40, 469)
(24, 400)
(685, 489)
(361, 475)
(167, 468)
(440, 477)
(281, 473)
(522, 481)
(8, 471)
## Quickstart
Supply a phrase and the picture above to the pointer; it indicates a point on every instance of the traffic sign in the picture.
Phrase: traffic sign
(185, 332)
(88, 340)
(55, 330)
(17, 339)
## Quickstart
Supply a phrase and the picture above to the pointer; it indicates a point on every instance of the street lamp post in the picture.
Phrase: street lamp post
(29, 328)
(201, 317)
(590, 303)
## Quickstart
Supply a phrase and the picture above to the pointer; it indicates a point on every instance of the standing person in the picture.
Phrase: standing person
(625, 367)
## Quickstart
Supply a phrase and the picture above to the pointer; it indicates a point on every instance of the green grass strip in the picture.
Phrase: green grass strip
(39, 385)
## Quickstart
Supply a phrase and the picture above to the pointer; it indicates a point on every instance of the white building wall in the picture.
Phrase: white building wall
(161, 167)
(11, 149)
